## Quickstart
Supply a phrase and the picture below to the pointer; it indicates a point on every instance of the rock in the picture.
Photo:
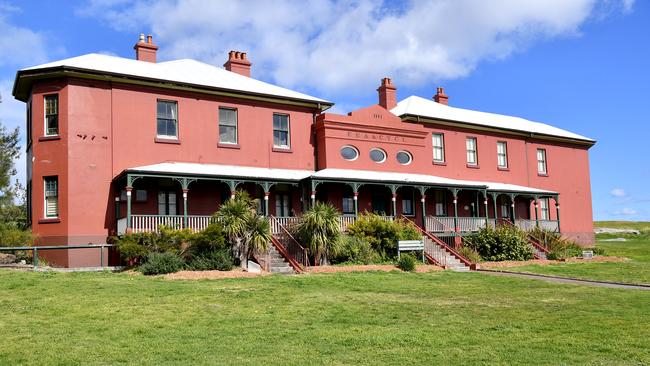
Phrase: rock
(607, 230)
(7, 258)
(254, 267)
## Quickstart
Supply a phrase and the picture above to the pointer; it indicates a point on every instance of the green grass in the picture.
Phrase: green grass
(634, 225)
(345, 318)
(635, 270)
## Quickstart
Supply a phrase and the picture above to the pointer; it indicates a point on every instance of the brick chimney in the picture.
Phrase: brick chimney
(440, 96)
(145, 51)
(387, 94)
(237, 62)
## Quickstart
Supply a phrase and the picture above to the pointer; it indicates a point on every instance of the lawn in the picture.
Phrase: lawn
(344, 318)
(636, 249)
(634, 225)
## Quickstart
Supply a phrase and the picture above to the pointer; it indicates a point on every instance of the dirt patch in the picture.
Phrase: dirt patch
(369, 267)
(211, 275)
(545, 262)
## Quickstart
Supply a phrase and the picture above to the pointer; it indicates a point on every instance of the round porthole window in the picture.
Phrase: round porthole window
(404, 157)
(377, 155)
(349, 153)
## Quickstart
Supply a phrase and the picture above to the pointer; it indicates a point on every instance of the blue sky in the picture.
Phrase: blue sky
(581, 65)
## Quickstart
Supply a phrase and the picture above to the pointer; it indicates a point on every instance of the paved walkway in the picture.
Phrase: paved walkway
(574, 281)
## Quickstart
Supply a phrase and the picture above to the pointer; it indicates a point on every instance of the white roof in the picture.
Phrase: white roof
(419, 106)
(218, 170)
(375, 176)
(184, 71)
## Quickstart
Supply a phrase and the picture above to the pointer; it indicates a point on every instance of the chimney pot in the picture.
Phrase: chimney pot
(145, 51)
(440, 96)
(238, 63)
(387, 94)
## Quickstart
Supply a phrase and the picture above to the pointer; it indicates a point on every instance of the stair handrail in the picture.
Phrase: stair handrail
(461, 258)
(534, 242)
(292, 260)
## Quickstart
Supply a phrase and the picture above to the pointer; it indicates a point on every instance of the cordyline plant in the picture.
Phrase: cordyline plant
(319, 230)
(246, 230)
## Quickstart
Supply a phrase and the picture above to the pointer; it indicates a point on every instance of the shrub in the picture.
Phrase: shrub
(469, 253)
(131, 248)
(135, 246)
(354, 250)
(500, 244)
(220, 260)
(14, 237)
(205, 242)
(161, 263)
(407, 262)
(383, 235)
(597, 250)
(563, 249)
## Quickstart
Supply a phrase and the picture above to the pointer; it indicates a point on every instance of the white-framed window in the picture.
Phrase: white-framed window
(167, 119)
(228, 125)
(281, 131)
(502, 154)
(348, 205)
(51, 103)
(543, 209)
(377, 155)
(472, 153)
(167, 203)
(541, 162)
(438, 147)
(440, 199)
(51, 193)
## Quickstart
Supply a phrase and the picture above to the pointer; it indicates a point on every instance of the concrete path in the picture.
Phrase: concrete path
(574, 281)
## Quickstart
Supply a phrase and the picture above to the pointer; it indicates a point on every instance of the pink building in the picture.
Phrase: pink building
(119, 144)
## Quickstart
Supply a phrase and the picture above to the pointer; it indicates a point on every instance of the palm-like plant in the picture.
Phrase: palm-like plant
(245, 229)
(319, 230)
(258, 234)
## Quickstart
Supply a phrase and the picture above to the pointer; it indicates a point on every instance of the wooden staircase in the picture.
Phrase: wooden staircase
(287, 248)
(439, 253)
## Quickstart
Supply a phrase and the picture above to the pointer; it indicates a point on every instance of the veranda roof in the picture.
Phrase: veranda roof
(295, 175)
(223, 171)
(421, 179)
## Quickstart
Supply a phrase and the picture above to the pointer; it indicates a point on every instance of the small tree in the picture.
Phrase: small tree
(319, 230)
(245, 229)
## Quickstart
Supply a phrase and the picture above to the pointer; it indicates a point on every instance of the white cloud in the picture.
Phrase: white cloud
(344, 46)
(19, 45)
(626, 212)
(617, 192)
